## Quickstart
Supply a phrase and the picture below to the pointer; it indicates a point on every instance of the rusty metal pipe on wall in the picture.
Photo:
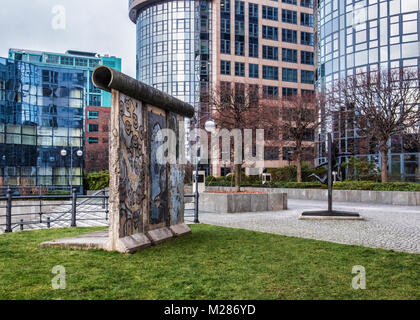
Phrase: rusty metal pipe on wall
(107, 79)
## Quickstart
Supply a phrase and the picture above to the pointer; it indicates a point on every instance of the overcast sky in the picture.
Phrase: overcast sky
(100, 26)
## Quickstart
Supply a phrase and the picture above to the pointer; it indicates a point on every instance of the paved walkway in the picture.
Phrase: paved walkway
(385, 226)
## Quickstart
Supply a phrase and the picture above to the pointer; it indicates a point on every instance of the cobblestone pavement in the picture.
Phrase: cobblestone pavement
(385, 226)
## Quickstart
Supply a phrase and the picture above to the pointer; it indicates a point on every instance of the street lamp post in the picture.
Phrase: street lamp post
(210, 125)
(63, 153)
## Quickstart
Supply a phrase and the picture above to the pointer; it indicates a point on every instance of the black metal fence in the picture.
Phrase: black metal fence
(52, 210)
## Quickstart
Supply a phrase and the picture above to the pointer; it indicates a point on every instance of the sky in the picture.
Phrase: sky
(100, 26)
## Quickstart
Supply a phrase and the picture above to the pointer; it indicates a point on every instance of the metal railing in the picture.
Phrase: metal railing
(52, 210)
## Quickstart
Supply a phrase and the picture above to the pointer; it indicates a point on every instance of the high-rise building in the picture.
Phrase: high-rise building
(367, 36)
(186, 48)
(96, 101)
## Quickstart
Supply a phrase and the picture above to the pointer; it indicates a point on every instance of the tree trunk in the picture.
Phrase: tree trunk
(238, 173)
(299, 167)
(384, 170)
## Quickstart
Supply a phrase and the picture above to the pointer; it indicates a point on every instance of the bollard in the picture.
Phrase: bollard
(48, 222)
(9, 211)
(73, 208)
(103, 200)
(21, 224)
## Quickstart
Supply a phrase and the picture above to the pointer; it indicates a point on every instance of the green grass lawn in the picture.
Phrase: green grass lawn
(212, 263)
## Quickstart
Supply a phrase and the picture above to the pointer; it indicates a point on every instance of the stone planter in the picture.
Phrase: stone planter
(242, 202)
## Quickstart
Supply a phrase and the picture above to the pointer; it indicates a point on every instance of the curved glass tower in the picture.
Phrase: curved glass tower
(173, 46)
(367, 35)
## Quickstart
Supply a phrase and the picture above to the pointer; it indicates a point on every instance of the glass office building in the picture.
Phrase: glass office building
(41, 115)
(367, 35)
(174, 46)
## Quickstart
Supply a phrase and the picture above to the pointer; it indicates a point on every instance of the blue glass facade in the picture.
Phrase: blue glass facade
(73, 60)
(41, 114)
(367, 36)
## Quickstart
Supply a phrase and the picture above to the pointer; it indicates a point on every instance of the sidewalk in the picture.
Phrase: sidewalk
(389, 227)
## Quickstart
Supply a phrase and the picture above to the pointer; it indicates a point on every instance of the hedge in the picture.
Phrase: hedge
(96, 180)
(346, 185)
(377, 186)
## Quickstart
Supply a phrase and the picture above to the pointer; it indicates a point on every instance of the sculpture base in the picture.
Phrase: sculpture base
(330, 215)
(159, 235)
(180, 230)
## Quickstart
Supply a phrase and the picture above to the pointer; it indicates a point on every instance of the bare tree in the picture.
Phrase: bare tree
(300, 119)
(238, 107)
(380, 104)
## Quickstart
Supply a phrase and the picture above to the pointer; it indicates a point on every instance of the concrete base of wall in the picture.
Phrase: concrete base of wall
(100, 240)
(242, 202)
(159, 235)
(180, 230)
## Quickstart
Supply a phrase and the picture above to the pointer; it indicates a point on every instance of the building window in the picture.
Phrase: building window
(93, 114)
(270, 13)
(53, 59)
(253, 70)
(94, 100)
(225, 25)
(307, 57)
(308, 93)
(225, 67)
(240, 69)
(270, 33)
(239, 48)
(289, 16)
(67, 61)
(2, 90)
(253, 10)
(270, 92)
(270, 73)
(239, 8)
(225, 6)
(289, 55)
(289, 92)
(253, 30)
(225, 46)
(93, 128)
(307, 38)
(81, 62)
(93, 140)
(289, 75)
(271, 153)
(306, 19)
(289, 35)
(307, 77)
(253, 50)
(307, 3)
(93, 63)
(271, 53)
(289, 1)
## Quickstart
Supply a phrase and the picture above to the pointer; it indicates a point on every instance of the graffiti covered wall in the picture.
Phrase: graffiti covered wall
(132, 186)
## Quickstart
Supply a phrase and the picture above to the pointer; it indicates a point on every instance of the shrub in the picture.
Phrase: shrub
(289, 173)
(96, 180)
(361, 169)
